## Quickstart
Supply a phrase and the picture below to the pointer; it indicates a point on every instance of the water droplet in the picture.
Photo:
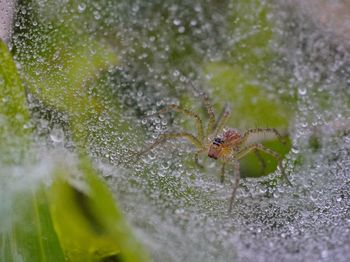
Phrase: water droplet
(179, 211)
(161, 173)
(193, 22)
(177, 22)
(57, 135)
(81, 7)
(302, 91)
(97, 15)
(165, 165)
(295, 150)
(176, 73)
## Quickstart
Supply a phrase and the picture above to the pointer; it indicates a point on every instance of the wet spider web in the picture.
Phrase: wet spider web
(309, 221)
(178, 211)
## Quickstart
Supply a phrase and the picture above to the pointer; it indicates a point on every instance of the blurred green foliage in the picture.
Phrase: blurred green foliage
(14, 115)
(27, 231)
(46, 222)
(88, 225)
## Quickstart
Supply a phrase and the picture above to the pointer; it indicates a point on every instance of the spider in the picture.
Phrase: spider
(227, 145)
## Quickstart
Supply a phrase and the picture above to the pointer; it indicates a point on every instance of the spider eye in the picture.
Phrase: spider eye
(217, 141)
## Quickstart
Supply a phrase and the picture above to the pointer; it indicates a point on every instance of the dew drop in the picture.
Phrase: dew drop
(81, 7)
(302, 91)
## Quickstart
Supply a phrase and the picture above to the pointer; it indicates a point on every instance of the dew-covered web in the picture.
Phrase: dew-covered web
(309, 221)
(177, 210)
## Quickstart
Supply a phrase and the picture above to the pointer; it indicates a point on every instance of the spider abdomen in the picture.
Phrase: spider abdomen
(232, 136)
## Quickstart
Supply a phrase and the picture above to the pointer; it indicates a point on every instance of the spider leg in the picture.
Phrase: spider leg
(236, 184)
(222, 174)
(209, 108)
(168, 136)
(274, 131)
(197, 161)
(199, 123)
(261, 160)
(268, 151)
(225, 108)
(222, 120)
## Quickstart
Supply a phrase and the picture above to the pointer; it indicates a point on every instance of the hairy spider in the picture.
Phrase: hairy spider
(227, 145)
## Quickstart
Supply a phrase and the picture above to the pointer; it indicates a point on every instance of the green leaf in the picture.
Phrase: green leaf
(89, 226)
(14, 115)
(88, 223)
(26, 231)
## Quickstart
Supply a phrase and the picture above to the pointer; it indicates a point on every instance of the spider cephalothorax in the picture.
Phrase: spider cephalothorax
(227, 148)
(222, 147)
(216, 148)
